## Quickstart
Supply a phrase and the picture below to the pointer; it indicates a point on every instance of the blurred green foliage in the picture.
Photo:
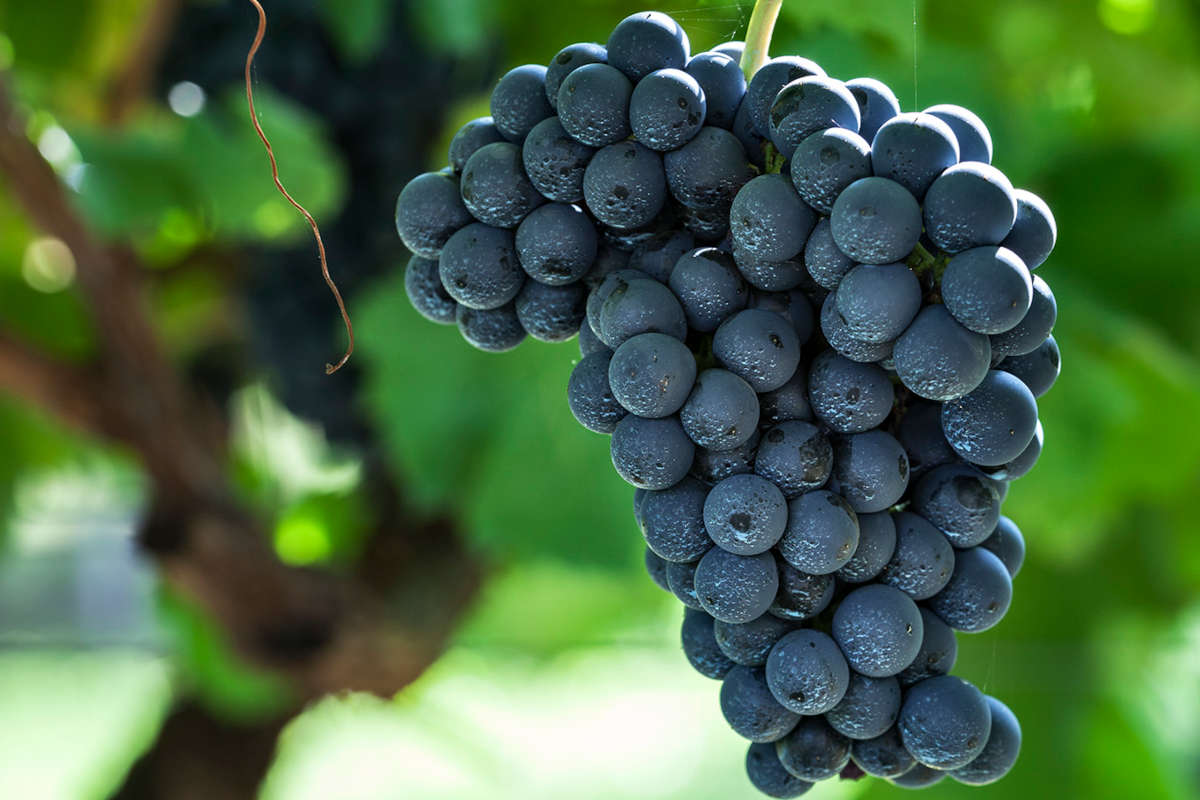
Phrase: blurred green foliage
(1095, 106)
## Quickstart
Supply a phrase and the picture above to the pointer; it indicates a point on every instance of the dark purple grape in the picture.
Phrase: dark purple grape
(826, 162)
(651, 453)
(723, 83)
(722, 411)
(667, 109)
(879, 629)
(913, 149)
(555, 162)
(647, 41)
(807, 105)
(750, 708)
(1034, 233)
(978, 594)
(495, 188)
(876, 221)
(1008, 544)
(813, 751)
(796, 456)
(479, 267)
(624, 185)
(974, 141)
(821, 534)
(923, 560)
(556, 244)
(939, 650)
(593, 105)
(1039, 369)
(801, 595)
(494, 330)
(551, 313)
(470, 137)
(876, 544)
(944, 722)
(569, 59)
(519, 101)
(700, 647)
(423, 285)
(428, 212)
(1000, 753)
(768, 219)
(589, 396)
(969, 205)
(876, 104)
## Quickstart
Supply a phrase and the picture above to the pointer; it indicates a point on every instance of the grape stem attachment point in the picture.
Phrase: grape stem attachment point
(758, 35)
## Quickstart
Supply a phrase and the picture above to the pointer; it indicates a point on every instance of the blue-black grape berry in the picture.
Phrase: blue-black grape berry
(593, 105)
(667, 109)
(750, 708)
(768, 219)
(944, 722)
(652, 374)
(722, 411)
(808, 105)
(876, 221)
(759, 346)
(884, 756)
(749, 643)
(879, 629)
(723, 83)
(551, 313)
(923, 559)
(519, 101)
(978, 594)
(479, 267)
(913, 150)
(700, 647)
(1034, 233)
(876, 104)
(423, 285)
(555, 162)
(648, 41)
(999, 754)
(807, 672)
(569, 59)
(974, 141)
(767, 774)
(868, 709)
(939, 650)
(590, 397)
(813, 751)
(745, 514)
(672, 521)
(651, 453)
(821, 534)
(709, 287)
(470, 137)
(828, 161)
(736, 588)
(796, 456)
(428, 212)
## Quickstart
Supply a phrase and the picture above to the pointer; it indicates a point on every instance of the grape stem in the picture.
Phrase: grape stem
(758, 35)
(922, 261)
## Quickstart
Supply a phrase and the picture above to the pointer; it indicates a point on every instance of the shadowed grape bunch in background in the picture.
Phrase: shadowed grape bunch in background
(564, 678)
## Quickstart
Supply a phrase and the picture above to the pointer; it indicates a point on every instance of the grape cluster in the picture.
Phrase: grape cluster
(810, 325)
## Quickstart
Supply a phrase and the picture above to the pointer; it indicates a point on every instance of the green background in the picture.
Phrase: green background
(565, 680)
